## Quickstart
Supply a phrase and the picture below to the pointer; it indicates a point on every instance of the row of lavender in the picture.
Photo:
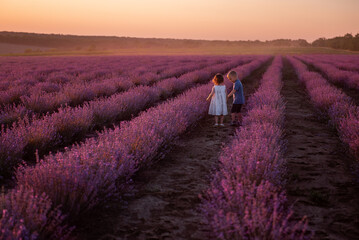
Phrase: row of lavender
(29, 71)
(69, 124)
(246, 199)
(343, 113)
(80, 178)
(343, 62)
(77, 93)
(35, 100)
(24, 76)
(330, 68)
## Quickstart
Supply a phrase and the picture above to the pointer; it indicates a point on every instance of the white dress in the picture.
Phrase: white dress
(218, 105)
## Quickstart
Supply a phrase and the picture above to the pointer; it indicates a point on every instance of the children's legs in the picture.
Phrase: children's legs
(233, 115)
(221, 119)
(216, 119)
(239, 117)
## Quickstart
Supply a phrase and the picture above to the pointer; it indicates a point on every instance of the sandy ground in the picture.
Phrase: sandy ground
(320, 184)
(164, 203)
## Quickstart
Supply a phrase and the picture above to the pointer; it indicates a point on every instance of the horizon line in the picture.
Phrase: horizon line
(166, 38)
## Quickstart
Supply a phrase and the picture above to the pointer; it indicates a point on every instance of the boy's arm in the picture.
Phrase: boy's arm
(231, 93)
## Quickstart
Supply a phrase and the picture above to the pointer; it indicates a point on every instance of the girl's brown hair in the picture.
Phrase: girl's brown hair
(218, 79)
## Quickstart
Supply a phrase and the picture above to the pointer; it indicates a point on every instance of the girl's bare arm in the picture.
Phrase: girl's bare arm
(210, 95)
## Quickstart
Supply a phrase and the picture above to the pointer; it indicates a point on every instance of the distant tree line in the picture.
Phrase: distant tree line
(347, 42)
(92, 43)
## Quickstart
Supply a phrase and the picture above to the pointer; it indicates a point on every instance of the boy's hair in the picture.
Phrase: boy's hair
(218, 79)
(232, 74)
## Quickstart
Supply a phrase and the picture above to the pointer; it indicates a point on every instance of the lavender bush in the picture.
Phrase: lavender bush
(332, 101)
(69, 124)
(80, 178)
(26, 215)
(246, 199)
(349, 79)
(47, 97)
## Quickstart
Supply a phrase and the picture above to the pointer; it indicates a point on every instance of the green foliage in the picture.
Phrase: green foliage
(347, 42)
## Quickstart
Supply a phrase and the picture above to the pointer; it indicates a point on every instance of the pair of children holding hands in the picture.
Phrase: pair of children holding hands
(218, 97)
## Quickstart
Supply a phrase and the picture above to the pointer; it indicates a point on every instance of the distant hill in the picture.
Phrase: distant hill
(35, 44)
(74, 42)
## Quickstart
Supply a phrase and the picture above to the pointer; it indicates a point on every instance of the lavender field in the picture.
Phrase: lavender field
(122, 147)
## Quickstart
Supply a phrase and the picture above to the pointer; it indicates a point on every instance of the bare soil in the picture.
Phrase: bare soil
(320, 182)
(165, 201)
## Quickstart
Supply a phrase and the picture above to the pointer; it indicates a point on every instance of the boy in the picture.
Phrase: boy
(238, 97)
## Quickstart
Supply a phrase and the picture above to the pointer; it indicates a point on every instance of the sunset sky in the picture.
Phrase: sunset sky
(190, 19)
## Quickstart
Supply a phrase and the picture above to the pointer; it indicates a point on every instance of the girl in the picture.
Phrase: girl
(218, 96)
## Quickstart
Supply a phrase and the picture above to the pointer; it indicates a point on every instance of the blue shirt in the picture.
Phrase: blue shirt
(238, 97)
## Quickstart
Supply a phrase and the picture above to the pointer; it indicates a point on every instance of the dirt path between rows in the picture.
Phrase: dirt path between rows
(164, 204)
(320, 183)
